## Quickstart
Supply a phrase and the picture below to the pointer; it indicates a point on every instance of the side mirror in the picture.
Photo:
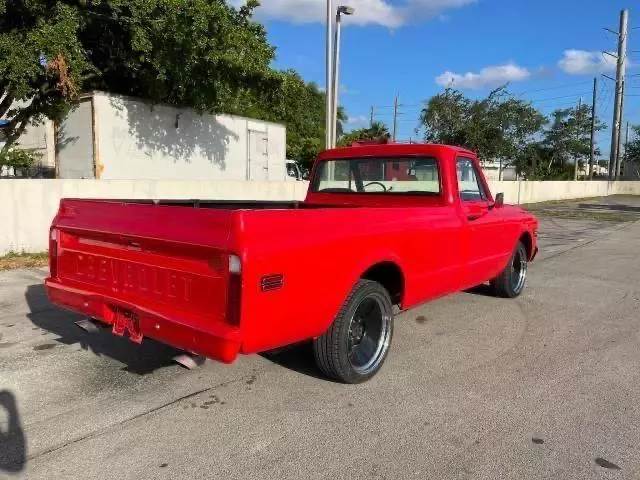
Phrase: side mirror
(499, 201)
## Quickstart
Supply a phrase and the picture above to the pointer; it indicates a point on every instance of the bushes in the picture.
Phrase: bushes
(19, 158)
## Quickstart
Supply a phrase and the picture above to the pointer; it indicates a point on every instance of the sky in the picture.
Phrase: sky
(548, 50)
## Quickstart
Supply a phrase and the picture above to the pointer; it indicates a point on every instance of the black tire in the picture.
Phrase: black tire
(511, 281)
(342, 352)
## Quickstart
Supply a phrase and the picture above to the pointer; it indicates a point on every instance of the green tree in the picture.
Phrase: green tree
(497, 127)
(301, 107)
(446, 118)
(632, 151)
(203, 54)
(567, 140)
(377, 131)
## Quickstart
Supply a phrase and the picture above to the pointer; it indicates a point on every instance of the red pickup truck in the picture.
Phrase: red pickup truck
(381, 225)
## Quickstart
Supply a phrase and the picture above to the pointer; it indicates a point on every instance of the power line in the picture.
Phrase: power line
(573, 95)
(557, 87)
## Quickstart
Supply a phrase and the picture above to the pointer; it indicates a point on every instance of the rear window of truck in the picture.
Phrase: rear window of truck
(394, 175)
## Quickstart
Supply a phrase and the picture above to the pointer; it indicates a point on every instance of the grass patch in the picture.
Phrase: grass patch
(551, 203)
(585, 215)
(14, 260)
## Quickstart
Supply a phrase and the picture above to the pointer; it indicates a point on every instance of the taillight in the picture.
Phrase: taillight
(54, 237)
(234, 292)
(235, 266)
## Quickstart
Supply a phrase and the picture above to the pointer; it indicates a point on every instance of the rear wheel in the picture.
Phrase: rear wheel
(356, 345)
(511, 281)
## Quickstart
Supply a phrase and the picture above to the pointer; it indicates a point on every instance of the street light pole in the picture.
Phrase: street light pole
(336, 71)
(336, 80)
(329, 79)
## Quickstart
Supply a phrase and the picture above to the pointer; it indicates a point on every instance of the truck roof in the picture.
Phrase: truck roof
(391, 150)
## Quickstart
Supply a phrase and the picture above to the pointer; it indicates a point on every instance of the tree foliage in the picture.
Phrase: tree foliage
(301, 107)
(202, 54)
(495, 127)
(19, 157)
(632, 151)
(503, 128)
(377, 131)
(566, 140)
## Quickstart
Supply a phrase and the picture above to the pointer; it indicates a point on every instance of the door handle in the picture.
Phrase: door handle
(473, 216)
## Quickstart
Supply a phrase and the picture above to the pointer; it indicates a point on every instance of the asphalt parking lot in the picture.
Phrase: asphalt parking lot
(546, 386)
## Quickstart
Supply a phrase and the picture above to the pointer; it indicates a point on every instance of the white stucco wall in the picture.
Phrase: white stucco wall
(627, 188)
(28, 206)
(533, 192)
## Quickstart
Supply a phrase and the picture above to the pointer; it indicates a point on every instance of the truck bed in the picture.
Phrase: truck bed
(228, 204)
(154, 269)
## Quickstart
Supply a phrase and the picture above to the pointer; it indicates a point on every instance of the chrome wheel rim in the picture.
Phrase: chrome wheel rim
(518, 271)
(369, 334)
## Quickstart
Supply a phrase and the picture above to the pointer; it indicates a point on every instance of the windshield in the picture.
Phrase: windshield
(419, 176)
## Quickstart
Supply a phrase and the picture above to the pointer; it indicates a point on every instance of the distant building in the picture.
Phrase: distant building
(495, 171)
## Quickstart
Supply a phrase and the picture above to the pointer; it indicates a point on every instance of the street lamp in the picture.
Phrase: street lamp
(342, 10)
(329, 79)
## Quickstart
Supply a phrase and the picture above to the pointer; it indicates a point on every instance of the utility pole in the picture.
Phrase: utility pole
(335, 81)
(626, 140)
(620, 72)
(578, 132)
(329, 72)
(626, 146)
(619, 158)
(372, 115)
(395, 118)
(592, 151)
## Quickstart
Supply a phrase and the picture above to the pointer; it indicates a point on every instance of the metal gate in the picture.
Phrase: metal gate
(74, 154)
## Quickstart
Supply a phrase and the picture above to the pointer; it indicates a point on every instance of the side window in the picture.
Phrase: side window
(469, 184)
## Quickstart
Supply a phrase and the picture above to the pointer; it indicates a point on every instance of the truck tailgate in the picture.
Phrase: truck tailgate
(158, 271)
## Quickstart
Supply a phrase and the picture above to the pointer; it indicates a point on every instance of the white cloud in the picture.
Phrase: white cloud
(582, 62)
(358, 121)
(367, 12)
(487, 77)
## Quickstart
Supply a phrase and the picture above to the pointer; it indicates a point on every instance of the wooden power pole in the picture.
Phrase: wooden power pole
(592, 151)
(395, 118)
(619, 98)
(578, 132)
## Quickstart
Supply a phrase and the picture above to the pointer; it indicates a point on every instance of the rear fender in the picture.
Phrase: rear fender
(370, 261)
(356, 273)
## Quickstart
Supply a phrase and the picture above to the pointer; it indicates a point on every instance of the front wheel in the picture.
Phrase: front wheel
(511, 281)
(356, 345)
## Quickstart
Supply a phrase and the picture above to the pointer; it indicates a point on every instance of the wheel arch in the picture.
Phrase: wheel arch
(390, 275)
(527, 240)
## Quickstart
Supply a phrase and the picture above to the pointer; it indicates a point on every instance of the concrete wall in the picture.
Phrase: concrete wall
(533, 192)
(28, 206)
(626, 188)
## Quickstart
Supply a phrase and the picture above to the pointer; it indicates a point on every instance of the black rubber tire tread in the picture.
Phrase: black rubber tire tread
(502, 284)
(326, 348)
